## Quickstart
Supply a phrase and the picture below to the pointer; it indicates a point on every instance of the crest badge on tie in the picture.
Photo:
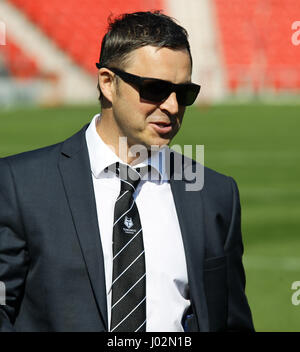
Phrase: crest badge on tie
(128, 222)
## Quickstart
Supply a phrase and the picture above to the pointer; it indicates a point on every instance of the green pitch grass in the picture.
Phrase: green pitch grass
(259, 146)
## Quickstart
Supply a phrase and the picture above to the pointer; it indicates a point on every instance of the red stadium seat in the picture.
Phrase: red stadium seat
(19, 64)
(78, 30)
(258, 33)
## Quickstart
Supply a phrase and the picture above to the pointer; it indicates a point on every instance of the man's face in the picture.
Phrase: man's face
(144, 122)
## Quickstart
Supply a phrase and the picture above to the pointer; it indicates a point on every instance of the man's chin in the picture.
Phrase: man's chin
(154, 144)
(150, 141)
(161, 140)
(155, 141)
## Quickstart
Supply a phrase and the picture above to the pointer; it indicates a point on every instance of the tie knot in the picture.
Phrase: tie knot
(129, 177)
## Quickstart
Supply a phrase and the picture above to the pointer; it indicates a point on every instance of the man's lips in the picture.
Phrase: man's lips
(161, 127)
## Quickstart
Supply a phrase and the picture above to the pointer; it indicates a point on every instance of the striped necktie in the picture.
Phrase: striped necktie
(128, 305)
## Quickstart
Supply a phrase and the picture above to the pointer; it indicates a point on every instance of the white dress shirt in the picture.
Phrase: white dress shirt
(167, 293)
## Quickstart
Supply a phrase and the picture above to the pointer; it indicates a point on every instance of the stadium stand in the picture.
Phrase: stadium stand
(238, 46)
(78, 30)
(18, 63)
(256, 42)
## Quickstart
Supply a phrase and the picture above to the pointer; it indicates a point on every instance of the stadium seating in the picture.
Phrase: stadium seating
(78, 30)
(18, 63)
(256, 43)
(255, 35)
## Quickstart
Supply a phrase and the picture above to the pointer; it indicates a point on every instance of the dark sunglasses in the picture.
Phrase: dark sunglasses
(157, 90)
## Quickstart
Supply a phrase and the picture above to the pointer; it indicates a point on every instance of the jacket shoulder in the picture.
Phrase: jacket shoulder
(32, 156)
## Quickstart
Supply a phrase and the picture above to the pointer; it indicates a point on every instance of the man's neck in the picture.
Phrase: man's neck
(113, 138)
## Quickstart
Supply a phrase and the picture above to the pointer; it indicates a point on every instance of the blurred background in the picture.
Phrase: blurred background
(246, 57)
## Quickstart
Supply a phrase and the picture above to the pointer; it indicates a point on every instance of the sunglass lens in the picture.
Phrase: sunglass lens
(154, 91)
(187, 94)
(157, 91)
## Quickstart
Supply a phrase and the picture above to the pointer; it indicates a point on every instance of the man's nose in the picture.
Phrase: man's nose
(170, 104)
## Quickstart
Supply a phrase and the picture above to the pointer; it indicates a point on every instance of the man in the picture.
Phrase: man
(88, 244)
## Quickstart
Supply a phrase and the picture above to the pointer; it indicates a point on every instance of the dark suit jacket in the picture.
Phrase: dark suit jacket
(51, 258)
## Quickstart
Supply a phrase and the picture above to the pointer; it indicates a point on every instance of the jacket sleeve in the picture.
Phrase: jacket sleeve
(239, 314)
(13, 252)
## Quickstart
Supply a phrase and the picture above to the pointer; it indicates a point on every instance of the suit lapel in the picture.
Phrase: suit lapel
(75, 170)
(189, 207)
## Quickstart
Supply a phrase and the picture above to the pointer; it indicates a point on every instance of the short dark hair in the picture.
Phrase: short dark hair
(131, 31)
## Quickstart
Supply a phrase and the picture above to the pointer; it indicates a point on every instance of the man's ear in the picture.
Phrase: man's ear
(106, 83)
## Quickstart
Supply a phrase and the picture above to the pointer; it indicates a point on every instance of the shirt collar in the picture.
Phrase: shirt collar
(101, 156)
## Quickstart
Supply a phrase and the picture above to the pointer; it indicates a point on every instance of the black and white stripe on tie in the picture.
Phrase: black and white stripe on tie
(128, 305)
